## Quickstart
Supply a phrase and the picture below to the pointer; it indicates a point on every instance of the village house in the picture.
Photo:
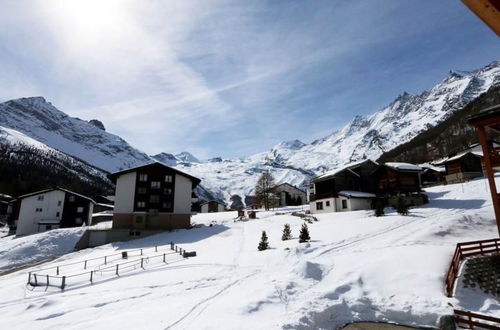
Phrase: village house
(5, 207)
(289, 195)
(52, 208)
(212, 206)
(152, 197)
(432, 175)
(345, 189)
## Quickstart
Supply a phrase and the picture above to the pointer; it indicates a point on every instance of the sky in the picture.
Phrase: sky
(232, 78)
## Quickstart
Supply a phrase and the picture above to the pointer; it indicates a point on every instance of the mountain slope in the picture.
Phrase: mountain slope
(43, 122)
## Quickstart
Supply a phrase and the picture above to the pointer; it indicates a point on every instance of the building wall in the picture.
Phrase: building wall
(359, 204)
(204, 208)
(182, 195)
(125, 193)
(160, 221)
(326, 208)
(282, 190)
(28, 217)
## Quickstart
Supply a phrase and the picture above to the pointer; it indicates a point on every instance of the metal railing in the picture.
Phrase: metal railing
(464, 250)
(107, 266)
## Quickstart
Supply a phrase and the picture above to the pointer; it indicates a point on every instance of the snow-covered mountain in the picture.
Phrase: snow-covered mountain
(292, 161)
(40, 120)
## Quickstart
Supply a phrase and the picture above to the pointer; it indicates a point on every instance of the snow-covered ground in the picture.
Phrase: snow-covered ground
(356, 267)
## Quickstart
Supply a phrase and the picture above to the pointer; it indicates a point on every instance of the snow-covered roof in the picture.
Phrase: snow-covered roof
(458, 156)
(441, 169)
(404, 166)
(61, 189)
(356, 194)
(345, 167)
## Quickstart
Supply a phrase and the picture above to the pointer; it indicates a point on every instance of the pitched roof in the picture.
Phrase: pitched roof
(58, 188)
(458, 156)
(287, 184)
(340, 169)
(115, 175)
(403, 166)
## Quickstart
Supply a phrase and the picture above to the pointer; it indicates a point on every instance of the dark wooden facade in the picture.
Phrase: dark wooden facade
(469, 162)
(154, 189)
(76, 210)
(358, 177)
(391, 181)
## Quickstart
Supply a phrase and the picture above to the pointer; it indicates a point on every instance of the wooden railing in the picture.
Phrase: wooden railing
(464, 250)
(472, 320)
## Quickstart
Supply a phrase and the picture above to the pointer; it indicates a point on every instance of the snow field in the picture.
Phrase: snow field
(356, 267)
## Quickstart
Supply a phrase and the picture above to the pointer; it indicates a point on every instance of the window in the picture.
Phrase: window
(38, 209)
(78, 221)
(58, 214)
(141, 204)
(155, 184)
(79, 209)
(143, 177)
(40, 198)
(344, 203)
(59, 203)
(168, 178)
(154, 198)
(153, 211)
(167, 205)
(319, 205)
(167, 191)
(327, 203)
(48, 227)
(71, 198)
(141, 190)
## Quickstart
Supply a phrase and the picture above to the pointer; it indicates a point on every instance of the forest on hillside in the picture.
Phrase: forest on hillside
(449, 137)
(25, 169)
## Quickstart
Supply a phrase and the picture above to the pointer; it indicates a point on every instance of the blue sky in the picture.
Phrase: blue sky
(232, 78)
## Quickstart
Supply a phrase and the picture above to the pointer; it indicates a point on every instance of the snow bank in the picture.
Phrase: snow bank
(20, 251)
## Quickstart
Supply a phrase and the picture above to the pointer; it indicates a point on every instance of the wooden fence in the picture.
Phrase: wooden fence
(472, 320)
(41, 277)
(464, 250)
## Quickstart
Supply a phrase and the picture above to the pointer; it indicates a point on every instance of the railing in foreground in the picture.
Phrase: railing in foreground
(476, 320)
(464, 250)
(108, 266)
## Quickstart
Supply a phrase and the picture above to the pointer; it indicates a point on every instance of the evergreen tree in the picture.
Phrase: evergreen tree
(304, 234)
(263, 244)
(401, 206)
(264, 190)
(379, 208)
(287, 233)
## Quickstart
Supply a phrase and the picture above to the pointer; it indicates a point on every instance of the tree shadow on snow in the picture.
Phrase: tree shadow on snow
(464, 204)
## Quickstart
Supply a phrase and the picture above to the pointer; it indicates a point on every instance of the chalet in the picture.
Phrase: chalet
(5, 207)
(152, 197)
(51, 209)
(432, 174)
(345, 189)
(289, 195)
(463, 166)
(212, 206)
(398, 178)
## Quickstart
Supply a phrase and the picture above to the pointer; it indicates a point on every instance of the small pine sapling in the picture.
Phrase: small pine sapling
(379, 208)
(287, 233)
(402, 208)
(263, 244)
(304, 234)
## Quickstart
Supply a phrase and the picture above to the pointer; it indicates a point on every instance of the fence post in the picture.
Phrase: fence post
(163, 261)
(85, 265)
(47, 281)
(141, 252)
(57, 270)
(105, 258)
(29, 276)
(117, 268)
(63, 283)
(142, 263)
(91, 273)
(171, 245)
(156, 248)
(36, 281)
(176, 248)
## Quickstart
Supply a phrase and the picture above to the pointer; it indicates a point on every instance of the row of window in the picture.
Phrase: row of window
(70, 198)
(165, 205)
(79, 209)
(144, 190)
(143, 177)
(319, 205)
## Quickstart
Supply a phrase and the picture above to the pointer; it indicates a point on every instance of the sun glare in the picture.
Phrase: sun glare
(92, 20)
